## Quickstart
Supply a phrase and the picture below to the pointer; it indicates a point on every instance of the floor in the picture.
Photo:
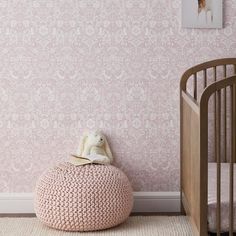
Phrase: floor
(134, 226)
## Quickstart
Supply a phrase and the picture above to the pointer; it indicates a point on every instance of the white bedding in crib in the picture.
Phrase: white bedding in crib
(212, 193)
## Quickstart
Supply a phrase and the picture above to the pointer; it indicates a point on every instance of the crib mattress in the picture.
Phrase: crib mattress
(212, 199)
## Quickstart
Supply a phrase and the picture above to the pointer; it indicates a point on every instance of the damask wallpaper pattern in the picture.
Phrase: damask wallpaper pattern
(72, 65)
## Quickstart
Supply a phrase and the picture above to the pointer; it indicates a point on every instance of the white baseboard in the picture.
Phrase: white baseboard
(19, 203)
(16, 203)
(156, 202)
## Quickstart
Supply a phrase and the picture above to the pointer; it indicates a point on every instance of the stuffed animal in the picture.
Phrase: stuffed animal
(94, 146)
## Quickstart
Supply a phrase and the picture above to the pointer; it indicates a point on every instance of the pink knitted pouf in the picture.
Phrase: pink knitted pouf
(83, 198)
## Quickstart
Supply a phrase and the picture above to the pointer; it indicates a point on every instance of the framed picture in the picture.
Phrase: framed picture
(202, 13)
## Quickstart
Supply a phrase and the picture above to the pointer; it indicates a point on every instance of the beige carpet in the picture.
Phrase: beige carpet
(134, 226)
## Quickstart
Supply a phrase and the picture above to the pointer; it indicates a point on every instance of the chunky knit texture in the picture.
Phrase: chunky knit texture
(83, 198)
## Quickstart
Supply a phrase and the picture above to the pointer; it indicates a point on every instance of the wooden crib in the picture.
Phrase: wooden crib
(208, 99)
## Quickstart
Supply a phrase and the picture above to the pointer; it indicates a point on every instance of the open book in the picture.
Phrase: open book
(90, 159)
(79, 161)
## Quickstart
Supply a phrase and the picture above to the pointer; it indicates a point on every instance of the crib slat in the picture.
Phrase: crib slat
(218, 212)
(225, 70)
(205, 77)
(195, 86)
(225, 117)
(214, 73)
(234, 106)
(231, 168)
(215, 124)
(234, 128)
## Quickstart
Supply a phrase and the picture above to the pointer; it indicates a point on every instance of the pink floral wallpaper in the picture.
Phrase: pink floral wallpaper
(72, 65)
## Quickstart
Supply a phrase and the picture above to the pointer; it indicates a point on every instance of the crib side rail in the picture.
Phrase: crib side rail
(218, 88)
(191, 163)
(194, 155)
(203, 67)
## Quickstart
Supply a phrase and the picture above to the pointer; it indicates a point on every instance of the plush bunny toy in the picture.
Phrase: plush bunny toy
(94, 146)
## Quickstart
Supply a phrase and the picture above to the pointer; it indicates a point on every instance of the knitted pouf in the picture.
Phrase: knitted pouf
(83, 198)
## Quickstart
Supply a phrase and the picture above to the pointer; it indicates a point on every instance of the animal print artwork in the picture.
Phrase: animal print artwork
(207, 7)
(201, 5)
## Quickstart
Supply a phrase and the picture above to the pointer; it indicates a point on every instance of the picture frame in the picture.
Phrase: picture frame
(202, 13)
